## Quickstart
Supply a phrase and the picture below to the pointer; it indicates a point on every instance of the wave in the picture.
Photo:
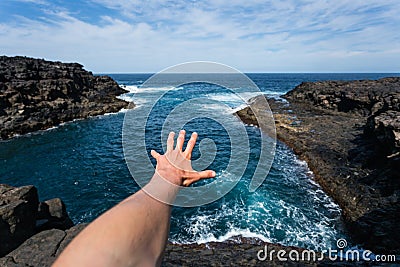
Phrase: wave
(239, 98)
(138, 95)
(123, 110)
(139, 90)
(234, 232)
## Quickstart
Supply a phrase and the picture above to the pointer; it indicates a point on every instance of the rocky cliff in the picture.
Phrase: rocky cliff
(36, 94)
(378, 101)
(349, 133)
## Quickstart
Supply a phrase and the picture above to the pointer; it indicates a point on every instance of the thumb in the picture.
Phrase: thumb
(154, 154)
(206, 174)
(193, 177)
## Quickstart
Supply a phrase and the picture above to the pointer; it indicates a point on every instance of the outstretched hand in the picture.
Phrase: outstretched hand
(140, 223)
(175, 165)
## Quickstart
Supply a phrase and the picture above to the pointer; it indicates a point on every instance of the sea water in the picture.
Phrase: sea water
(83, 163)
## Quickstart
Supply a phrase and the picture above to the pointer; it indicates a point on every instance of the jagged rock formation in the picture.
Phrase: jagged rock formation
(22, 215)
(348, 132)
(377, 100)
(36, 94)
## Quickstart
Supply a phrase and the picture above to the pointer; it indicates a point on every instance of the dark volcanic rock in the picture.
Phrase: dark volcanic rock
(41, 249)
(36, 94)
(53, 214)
(18, 207)
(385, 127)
(21, 216)
(378, 100)
(230, 254)
(349, 134)
(364, 97)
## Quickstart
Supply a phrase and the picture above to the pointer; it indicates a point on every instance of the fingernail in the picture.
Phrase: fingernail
(213, 173)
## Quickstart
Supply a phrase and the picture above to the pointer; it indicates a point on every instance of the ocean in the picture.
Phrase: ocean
(83, 163)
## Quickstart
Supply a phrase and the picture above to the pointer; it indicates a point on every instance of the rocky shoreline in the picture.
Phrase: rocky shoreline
(36, 94)
(356, 162)
(34, 233)
(349, 134)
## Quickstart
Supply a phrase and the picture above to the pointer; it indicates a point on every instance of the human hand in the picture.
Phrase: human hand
(175, 165)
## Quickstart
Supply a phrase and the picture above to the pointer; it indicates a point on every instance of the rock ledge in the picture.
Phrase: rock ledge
(36, 94)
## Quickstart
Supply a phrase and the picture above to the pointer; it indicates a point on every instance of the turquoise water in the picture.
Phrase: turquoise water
(83, 163)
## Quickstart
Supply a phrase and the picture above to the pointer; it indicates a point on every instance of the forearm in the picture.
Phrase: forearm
(132, 233)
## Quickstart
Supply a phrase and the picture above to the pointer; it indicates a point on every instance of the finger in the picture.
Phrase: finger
(193, 177)
(180, 140)
(187, 182)
(155, 154)
(170, 141)
(190, 145)
(206, 174)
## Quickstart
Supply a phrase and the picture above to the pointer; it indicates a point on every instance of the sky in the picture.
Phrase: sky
(128, 36)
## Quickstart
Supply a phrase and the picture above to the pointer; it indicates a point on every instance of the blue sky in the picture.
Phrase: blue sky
(250, 35)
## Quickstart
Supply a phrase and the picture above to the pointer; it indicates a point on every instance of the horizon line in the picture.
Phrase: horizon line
(152, 73)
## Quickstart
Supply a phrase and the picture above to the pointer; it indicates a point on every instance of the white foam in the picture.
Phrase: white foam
(239, 98)
(42, 131)
(217, 107)
(135, 93)
(130, 88)
(232, 233)
(123, 110)
(126, 97)
(230, 102)
(131, 97)
(138, 90)
(240, 107)
(51, 128)
(301, 162)
(272, 93)
(226, 97)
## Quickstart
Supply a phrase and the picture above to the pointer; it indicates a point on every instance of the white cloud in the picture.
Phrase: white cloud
(249, 35)
(38, 2)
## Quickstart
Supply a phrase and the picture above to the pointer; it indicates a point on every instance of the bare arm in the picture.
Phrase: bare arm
(135, 232)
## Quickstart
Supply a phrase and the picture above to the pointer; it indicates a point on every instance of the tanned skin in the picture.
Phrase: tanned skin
(135, 231)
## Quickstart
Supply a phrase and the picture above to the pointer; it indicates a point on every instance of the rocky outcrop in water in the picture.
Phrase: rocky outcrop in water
(36, 94)
(349, 134)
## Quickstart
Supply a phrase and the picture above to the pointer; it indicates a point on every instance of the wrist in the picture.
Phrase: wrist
(162, 188)
(172, 176)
